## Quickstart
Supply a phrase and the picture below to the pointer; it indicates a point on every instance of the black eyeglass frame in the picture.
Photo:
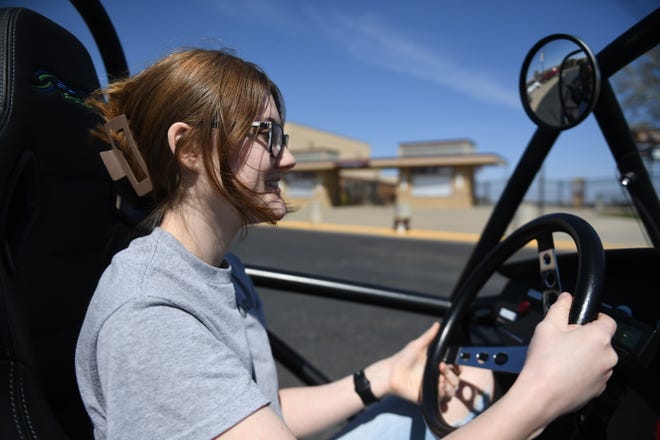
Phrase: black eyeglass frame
(277, 139)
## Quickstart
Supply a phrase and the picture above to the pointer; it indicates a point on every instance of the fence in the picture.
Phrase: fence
(598, 192)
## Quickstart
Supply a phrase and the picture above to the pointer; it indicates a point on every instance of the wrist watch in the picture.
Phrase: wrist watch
(363, 388)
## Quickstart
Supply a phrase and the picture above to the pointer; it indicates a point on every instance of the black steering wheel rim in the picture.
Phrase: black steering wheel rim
(585, 307)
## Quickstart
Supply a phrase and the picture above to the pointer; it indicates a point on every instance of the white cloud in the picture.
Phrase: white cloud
(369, 40)
(266, 14)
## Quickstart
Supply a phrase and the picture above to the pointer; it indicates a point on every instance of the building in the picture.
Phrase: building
(439, 173)
(336, 170)
(333, 170)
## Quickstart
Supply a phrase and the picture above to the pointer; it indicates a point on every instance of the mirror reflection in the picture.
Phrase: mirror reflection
(561, 83)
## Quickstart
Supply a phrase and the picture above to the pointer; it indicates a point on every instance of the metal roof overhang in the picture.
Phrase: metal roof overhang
(401, 162)
(438, 161)
(324, 165)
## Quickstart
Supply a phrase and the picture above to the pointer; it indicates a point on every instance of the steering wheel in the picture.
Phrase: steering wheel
(585, 307)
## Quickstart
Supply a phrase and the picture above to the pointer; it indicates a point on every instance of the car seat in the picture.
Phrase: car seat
(58, 224)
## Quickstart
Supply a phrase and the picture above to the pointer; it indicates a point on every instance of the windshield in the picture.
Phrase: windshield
(580, 176)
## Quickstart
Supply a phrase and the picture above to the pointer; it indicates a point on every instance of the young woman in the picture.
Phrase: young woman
(173, 344)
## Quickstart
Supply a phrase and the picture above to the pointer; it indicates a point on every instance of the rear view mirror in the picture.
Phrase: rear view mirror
(559, 82)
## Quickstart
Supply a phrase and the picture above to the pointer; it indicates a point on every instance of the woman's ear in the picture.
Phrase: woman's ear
(188, 157)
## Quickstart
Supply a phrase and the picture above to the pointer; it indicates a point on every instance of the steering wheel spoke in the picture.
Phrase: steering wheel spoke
(549, 270)
(503, 359)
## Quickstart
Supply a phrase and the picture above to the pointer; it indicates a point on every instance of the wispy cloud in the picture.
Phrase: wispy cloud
(369, 40)
(267, 14)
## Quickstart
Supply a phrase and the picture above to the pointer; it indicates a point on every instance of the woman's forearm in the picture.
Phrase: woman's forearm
(307, 410)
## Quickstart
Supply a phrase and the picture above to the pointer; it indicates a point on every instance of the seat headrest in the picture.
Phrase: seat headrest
(41, 95)
(44, 122)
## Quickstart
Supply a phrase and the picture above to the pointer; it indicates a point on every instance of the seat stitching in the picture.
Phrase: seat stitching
(12, 400)
(25, 408)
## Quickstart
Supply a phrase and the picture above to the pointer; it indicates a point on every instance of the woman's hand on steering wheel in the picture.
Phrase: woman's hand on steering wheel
(557, 347)
(407, 368)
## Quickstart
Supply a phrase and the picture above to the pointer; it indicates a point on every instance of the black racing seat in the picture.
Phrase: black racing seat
(57, 223)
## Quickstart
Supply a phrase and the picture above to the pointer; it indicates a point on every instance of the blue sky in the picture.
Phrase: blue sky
(385, 72)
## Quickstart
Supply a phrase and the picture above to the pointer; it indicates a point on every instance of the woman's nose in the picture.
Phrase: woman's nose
(286, 161)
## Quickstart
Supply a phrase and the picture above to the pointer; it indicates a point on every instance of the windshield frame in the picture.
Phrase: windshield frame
(622, 51)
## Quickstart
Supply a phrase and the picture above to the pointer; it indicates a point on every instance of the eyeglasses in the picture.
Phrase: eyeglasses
(277, 140)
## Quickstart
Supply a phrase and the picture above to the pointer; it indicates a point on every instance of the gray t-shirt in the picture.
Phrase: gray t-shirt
(167, 349)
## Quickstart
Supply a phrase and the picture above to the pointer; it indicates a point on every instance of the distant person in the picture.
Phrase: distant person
(174, 343)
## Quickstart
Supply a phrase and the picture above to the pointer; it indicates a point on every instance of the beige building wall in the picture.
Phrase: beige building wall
(460, 189)
(303, 138)
(461, 196)
(305, 141)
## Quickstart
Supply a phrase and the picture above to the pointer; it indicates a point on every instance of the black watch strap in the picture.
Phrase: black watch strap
(363, 388)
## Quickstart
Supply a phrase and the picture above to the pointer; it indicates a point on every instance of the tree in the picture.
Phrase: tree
(638, 89)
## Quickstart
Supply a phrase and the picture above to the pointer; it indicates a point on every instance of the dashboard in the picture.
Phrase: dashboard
(631, 296)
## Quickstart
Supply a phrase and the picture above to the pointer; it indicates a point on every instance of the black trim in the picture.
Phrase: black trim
(615, 129)
(105, 36)
(363, 293)
(294, 363)
(636, 41)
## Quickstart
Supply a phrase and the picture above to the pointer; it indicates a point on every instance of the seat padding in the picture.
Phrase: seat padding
(56, 223)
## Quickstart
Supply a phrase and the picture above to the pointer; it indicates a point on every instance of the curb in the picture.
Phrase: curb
(416, 234)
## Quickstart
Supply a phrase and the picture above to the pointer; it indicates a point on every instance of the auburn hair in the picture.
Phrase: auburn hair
(218, 95)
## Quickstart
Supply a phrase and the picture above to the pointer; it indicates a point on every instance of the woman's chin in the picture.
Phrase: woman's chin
(279, 209)
(277, 206)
